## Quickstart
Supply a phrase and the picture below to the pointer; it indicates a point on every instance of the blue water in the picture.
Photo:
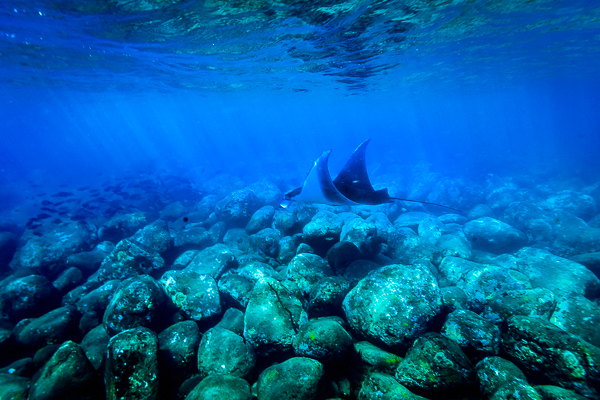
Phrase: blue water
(93, 90)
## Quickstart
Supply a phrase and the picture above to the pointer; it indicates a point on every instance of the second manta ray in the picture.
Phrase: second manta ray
(351, 187)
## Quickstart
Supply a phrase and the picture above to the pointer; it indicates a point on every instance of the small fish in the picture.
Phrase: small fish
(43, 216)
(63, 213)
(34, 226)
(62, 194)
(56, 221)
(94, 191)
(51, 210)
(36, 233)
(81, 189)
(59, 203)
(95, 194)
(46, 203)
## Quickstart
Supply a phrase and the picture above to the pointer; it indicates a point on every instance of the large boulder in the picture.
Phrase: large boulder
(393, 305)
(494, 236)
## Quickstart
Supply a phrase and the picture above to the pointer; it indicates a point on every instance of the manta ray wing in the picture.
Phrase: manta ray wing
(318, 186)
(353, 180)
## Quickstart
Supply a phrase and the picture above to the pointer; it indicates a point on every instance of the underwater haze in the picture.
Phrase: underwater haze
(147, 145)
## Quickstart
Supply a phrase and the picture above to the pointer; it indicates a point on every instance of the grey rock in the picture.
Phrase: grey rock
(129, 258)
(480, 211)
(192, 237)
(13, 386)
(221, 387)
(224, 352)
(431, 229)
(132, 365)
(495, 372)
(266, 242)
(433, 364)
(272, 318)
(373, 359)
(476, 337)
(454, 298)
(581, 205)
(516, 390)
(285, 222)
(177, 352)
(590, 260)
(411, 220)
(341, 255)
(287, 250)
(359, 269)
(234, 289)
(94, 345)
(326, 296)
(89, 262)
(549, 392)
(560, 275)
(323, 231)
(393, 305)
(196, 295)
(237, 240)
(307, 269)
(266, 192)
(455, 245)
(536, 302)
(68, 280)
(383, 386)
(298, 378)
(542, 348)
(8, 245)
(173, 211)
(47, 254)
(233, 319)
(98, 299)
(362, 234)
(494, 236)
(261, 219)
(237, 208)
(578, 316)
(324, 340)
(407, 247)
(121, 226)
(29, 297)
(53, 327)
(213, 261)
(155, 236)
(139, 301)
(68, 374)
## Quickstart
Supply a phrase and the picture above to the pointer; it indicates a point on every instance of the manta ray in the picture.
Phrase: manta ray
(351, 187)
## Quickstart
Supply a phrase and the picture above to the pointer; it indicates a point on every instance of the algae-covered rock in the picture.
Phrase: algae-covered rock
(494, 236)
(407, 247)
(550, 392)
(121, 226)
(363, 234)
(177, 351)
(129, 258)
(393, 305)
(53, 327)
(455, 244)
(298, 378)
(272, 318)
(132, 365)
(431, 229)
(326, 296)
(341, 255)
(374, 359)
(213, 261)
(324, 340)
(224, 352)
(578, 316)
(495, 372)
(221, 387)
(266, 242)
(307, 269)
(196, 295)
(433, 364)
(94, 345)
(323, 231)
(13, 386)
(139, 301)
(237, 208)
(68, 374)
(542, 348)
(477, 337)
(29, 297)
(155, 236)
(536, 302)
(383, 386)
(261, 219)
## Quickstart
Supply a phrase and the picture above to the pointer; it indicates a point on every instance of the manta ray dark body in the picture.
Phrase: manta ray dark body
(351, 187)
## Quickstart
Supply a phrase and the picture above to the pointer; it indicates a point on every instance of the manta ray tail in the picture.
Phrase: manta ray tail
(426, 202)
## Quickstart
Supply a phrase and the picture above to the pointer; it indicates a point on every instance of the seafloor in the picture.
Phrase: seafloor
(155, 288)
